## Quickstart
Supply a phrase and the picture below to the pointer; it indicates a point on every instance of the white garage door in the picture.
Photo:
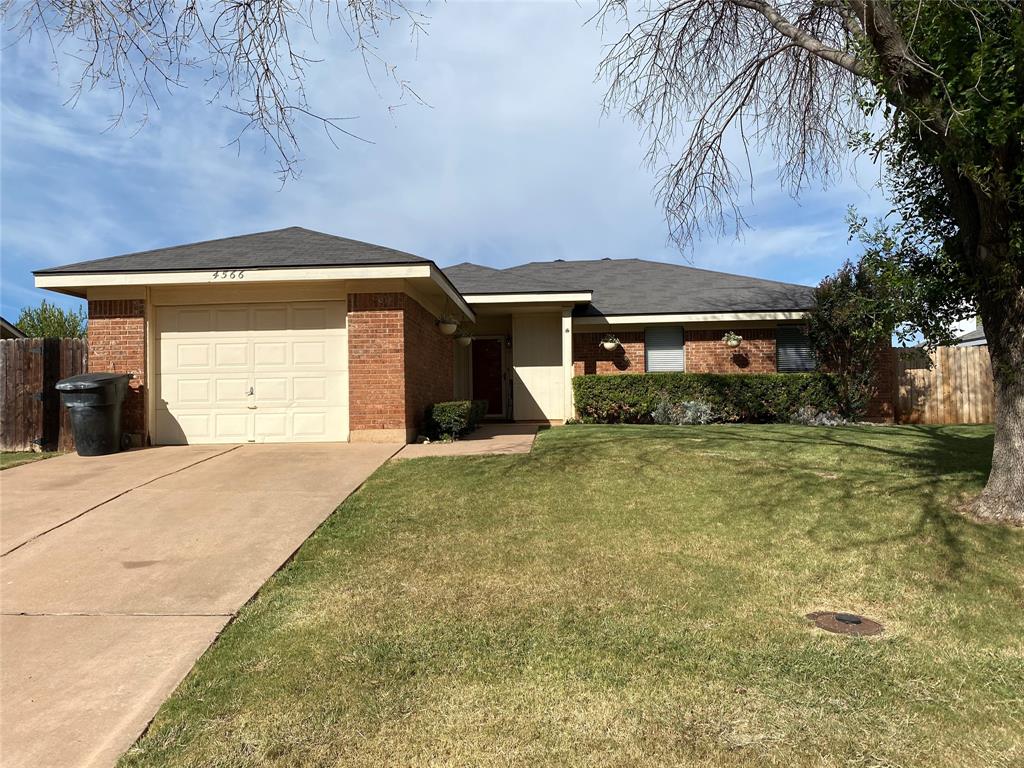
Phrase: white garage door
(240, 373)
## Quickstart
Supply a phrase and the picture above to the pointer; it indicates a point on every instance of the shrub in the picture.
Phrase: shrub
(812, 417)
(751, 397)
(454, 418)
(688, 412)
(851, 322)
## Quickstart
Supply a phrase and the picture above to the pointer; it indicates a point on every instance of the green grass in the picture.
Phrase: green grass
(10, 459)
(632, 596)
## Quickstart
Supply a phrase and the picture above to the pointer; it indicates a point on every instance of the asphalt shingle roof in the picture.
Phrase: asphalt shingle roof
(639, 287)
(619, 286)
(473, 278)
(280, 248)
(976, 335)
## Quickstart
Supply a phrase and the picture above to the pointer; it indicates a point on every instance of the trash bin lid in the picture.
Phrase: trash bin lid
(84, 381)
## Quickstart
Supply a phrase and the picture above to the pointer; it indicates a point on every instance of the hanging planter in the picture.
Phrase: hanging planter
(610, 342)
(463, 339)
(732, 340)
(447, 325)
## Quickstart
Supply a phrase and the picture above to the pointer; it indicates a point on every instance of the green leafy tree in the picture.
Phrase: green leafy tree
(48, 321)
(852, 321)
(933, 90)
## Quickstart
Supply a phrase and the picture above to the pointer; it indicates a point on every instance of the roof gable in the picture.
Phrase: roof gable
(279, 248)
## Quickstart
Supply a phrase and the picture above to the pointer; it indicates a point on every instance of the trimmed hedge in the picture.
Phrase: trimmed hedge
(455, 417)
(752, 397)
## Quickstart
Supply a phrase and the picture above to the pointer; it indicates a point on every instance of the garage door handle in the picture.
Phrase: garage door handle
(252, 391)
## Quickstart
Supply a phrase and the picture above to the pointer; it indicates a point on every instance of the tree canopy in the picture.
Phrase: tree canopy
(48, 321)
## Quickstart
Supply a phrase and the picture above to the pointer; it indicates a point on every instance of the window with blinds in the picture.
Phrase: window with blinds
(793, 349)
(665, 349)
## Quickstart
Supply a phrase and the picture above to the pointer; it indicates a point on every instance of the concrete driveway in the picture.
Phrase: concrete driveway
(118, 571)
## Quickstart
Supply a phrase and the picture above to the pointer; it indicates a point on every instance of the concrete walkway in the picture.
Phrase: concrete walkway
(488, 439)
(119, 571)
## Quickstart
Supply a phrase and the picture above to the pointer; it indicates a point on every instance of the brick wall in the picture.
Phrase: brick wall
(398, 363)
(117, 344)
(376, 361)
(588, 356)
(705, 352)
(429, 364)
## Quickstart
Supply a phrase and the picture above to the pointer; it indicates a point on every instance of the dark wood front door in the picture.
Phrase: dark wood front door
(487, 374)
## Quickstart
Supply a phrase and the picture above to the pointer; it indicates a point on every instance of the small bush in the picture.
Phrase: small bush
(689, 412)
(812, 417)
(747, 397)
(455, 418)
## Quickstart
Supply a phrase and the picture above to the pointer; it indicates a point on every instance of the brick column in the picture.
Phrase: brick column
(117, 344)
(398, 365)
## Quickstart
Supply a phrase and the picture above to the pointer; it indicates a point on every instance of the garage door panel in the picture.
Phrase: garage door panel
(270, 354)
(232, 391)
(311, 318)
(270, 318)
(311, 389)
(192, 320)
(310, 353)
(232, 427)
(193, 355)
(232, 320)
(271, 426)
(193, 391)
(231, 354)
(182, 428)
(293, 356)
(272, 390)
(310, 424)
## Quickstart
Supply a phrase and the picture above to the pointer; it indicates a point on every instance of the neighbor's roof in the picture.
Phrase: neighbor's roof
(10, 331)
(638, 287)
(280, 248)
(978, 334)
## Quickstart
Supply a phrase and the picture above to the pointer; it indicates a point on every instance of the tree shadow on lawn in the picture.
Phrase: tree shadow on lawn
(927, 468)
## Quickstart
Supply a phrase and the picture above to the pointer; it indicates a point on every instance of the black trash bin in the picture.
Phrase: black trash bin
(94, 404)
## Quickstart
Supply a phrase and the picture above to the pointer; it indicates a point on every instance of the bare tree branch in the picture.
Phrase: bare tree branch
(806, 41)
(711, 71)
(247, 49)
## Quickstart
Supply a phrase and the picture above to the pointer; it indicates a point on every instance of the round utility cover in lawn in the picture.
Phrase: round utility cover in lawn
(845, 623)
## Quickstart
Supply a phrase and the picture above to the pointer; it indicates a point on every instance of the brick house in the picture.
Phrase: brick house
(294, 335)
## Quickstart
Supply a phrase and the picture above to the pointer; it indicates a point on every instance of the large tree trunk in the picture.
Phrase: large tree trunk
(1002, 314)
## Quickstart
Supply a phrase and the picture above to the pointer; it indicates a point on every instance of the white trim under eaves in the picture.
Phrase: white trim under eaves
(695, 317)
(529, 298)
(71, 280)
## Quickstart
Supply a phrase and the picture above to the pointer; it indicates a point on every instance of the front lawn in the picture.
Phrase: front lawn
(10, 459)
(632, 596)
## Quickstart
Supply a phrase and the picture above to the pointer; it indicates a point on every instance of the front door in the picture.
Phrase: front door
(487, 375)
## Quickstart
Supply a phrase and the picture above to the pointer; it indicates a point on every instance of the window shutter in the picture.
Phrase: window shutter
(793, 349)
(664, 348)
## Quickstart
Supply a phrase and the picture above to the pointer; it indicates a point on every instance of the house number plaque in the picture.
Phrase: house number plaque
(234, 274)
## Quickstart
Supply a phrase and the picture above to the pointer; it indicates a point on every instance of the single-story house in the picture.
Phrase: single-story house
(294, 335)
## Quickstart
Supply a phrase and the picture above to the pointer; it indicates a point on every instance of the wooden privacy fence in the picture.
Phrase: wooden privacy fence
(31, 418)
(956, 389)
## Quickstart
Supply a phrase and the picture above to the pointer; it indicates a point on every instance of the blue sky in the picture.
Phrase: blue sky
(512, 161)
